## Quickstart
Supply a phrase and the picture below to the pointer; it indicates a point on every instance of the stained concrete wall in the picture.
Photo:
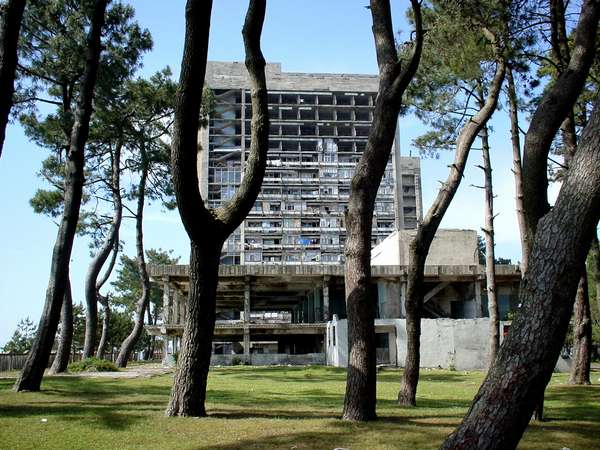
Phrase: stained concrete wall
(449, 248)
(270, 359)
(460, 344)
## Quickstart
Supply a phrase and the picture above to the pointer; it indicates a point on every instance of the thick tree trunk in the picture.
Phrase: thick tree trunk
(361, 294)
(488, 230)
(31, 377)
(189, 387)
(209, 229)
(63, 352)
(11, 16)
(503, 406)
(140, 312)
(517, 168)
(92, 284)
(582, 335)
(420, 244)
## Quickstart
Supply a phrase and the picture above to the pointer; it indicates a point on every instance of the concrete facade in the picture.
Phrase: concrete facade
(319, 127)
(445, 343)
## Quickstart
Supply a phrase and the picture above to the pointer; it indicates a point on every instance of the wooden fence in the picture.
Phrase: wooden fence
(16, 361)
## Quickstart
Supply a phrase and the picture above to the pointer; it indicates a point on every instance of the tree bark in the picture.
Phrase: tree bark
(65, 342)
(361, 294)
(10, 25)
(420, 244)
(517, 168)
(595, 259)
(31, 376)
(503, 406)
(92, 286)
(555, 106)
(206, 229)
(582, 335)
(488, 230)
(140, 312)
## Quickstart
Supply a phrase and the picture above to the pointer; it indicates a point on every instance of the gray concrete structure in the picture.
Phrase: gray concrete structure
(461, 344)
(319, 128)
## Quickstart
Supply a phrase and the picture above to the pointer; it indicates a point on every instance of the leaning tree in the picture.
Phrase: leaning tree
(207, 228)
(37, 359)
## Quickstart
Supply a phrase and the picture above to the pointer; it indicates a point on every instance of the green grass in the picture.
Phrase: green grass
(275, 407)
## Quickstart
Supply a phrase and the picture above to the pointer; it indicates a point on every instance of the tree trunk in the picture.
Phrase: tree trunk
(420, 244)
(488, 230)
(209, 229)
(10, 25)
(595, 260)
(140, 312)
(92, 285)
(63, 352)
(517, 168)
(189, 387)
(503, 406)
(361, 294)
(582, 335)
(31, 376)
(105, 327)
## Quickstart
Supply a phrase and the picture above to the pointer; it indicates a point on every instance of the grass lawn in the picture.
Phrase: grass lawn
(271, 407)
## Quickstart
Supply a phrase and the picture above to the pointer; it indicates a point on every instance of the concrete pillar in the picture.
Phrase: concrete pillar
(478, 305)
(326, 309)
(403, 288)
(393, 348)
(166, 301)
(175, 318)
(247, 317)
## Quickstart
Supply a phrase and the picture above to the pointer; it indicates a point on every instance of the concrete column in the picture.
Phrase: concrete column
(403, 288)
(393, 348)
(478, 305)
(166, 301)
(176, 300)
(247, 317)
(326, 310)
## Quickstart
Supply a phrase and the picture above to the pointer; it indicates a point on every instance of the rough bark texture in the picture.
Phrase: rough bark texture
(142, 303)
(361, 294)
(31, 376)
(63, 352)
(208, 230)
(92, 286)
(503, 406)
(582, 335)
(555, 110)
(419, 246)
(555, 106)
(11, 16)
(488, 230)
(595, 260)
(517, 167)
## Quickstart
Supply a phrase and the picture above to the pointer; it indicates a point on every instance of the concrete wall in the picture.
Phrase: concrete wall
(447, 343)
(270, 359)
(449, 247)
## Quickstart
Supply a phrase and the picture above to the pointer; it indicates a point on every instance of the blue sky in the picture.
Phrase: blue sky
(305, 36)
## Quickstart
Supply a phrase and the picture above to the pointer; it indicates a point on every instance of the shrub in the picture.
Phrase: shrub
(92, 365)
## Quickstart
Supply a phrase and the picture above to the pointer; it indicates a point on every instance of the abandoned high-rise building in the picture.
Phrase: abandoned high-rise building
(319, 128)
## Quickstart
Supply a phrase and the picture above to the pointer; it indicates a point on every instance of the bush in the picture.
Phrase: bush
(92, 365)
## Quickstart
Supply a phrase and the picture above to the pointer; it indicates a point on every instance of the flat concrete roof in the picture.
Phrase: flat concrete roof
(233, 75)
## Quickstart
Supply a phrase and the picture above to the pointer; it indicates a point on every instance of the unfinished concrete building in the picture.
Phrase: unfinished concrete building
(319, 128)
(280, 297)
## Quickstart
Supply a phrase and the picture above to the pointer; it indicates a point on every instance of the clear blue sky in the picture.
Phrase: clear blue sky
(305, 36)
